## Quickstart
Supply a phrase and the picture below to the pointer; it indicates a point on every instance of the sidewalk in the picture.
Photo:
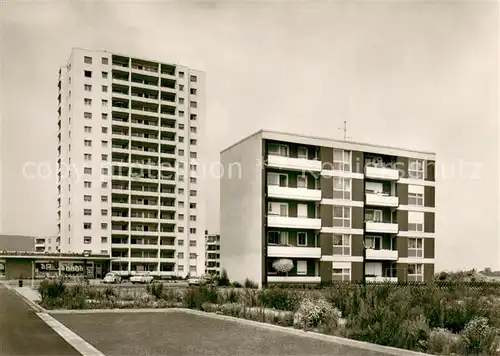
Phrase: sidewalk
(28, 293)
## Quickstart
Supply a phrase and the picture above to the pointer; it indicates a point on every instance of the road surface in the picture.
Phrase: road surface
(22, 332)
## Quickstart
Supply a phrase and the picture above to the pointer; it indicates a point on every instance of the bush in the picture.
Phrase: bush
(478, 338)
(237, 285)
(442, 342)
(315, 313)
(196, 296)
(156, 290)
(279, 299)
(51, 289)
(223, 279)
(250, 284)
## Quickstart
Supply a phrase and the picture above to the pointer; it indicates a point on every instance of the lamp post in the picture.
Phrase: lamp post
(32, 274)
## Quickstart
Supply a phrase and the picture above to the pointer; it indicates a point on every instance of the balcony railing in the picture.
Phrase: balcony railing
(293, 222)
(382, 173)
(293, 251)
(279, 192)
(387, 255)
(381, 199)
(382, 227)
(294, 279)
(300, 164)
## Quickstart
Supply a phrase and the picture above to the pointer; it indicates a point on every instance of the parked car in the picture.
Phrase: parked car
(197, 281)
(112, 278)
(142, 277)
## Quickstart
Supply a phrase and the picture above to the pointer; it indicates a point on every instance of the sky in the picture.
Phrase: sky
(416, 75)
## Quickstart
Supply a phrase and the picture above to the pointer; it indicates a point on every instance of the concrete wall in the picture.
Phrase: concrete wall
(241, 215)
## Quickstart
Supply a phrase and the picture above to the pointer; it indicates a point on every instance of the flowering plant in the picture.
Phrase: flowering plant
(283, 265)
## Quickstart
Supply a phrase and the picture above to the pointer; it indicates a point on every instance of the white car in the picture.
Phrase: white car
(112, 278)
(141, 277)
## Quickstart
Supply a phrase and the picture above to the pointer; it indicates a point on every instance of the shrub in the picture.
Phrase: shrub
(250, 284)
(51, 289)
(237, 285)
(315, 313)
(156, 290)
(279, 299)
(223, 279)
(478, 338)
(442, 342)
(196, 296)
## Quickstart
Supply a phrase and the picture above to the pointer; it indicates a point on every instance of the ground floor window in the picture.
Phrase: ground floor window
(341, 274)
(415, 273)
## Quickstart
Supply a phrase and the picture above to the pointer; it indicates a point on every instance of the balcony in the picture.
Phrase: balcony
(296, 164)
(380, 279)
(144, 246)
(294, 251)
(381, 173)
(293, 222)
(120, 204)
(275, 191)
(381, 199)
(381, 227)
(293, 279)
(386, 255)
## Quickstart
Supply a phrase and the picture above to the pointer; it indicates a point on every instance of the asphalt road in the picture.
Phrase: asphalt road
(22, 332)
(183, 334)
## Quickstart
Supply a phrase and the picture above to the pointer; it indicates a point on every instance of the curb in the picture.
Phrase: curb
(297, 332)
(33, 305)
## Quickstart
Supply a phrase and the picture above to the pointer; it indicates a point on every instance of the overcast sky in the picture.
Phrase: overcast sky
(421, 76)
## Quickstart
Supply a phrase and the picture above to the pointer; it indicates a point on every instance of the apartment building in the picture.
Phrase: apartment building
(310, 210)
(212, 254)
(129, 146)
(46, 244)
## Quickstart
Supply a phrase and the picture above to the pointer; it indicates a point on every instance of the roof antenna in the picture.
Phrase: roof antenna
(345, 131)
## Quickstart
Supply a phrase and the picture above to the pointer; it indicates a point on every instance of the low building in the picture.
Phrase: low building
(212, 254)
(17, 243)
(46, 244)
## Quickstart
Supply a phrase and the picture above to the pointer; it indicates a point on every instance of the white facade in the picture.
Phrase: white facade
(129, 134)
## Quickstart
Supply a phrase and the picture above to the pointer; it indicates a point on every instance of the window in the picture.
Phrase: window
(87, 115)
(193, 255)
(180, 191)
(104, 239)
(87, 143)
(105, 88)
(373, 215)
(88, 73)
(192, 217)
(104, 171)
(104, 157)
(87, 240)
(415, 247)
(87, 129)
(342, 245)
(181, 126)
(181, 101)
(87, 101)
(104, 130)
(192, 230)
(104, 212)
(87, 184)
(181, 113)
(87, 198)
(104, 116)
(373, 242)
(192, 205)
(277, 209)
(181, 178)
(87, 212)
(192, 193)
(87, 170)
(104, 75)
(87, 60)
(181, 139)
(192, 142)
(104, 226)
(180, 255)
(104, 198)
(277, 238)
(87, 156)
(87, 226)
(192, 91)
(301, 267)
(341, 160)
(277, 179)
(104, 144)
(301, 239)
(193, 104)
(181, 165)
(192, 180)
(302, 152)
(415, 273)
(104, 184)
(193, 167)
(180, 216)
(87, 87)
(415, 221)
(301, 181)
(181, 87)
(193, 79)
(193, 117)
(416, 168)
(341, 274)
(180, 268)
(181, 74)
(180, 228)
(193, 155)
(192, 243)
(342, 216)
(192, 269)
(193, 129)
(104, 103)
(104, 60)
(180, 242)
(278, 150)
(181, 152)
(341, 188)
(415, 199)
